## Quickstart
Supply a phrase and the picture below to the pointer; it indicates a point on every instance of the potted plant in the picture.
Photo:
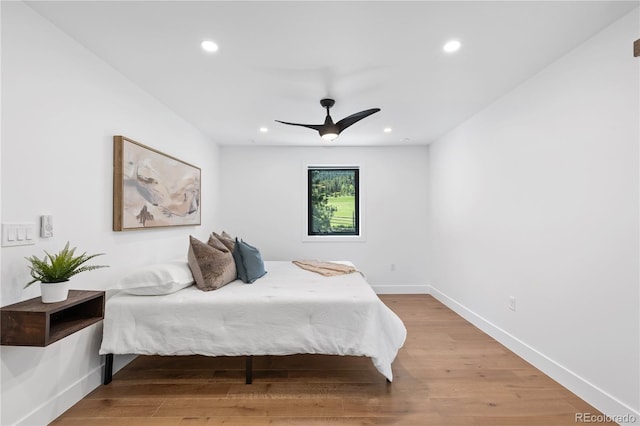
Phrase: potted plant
(54, 271)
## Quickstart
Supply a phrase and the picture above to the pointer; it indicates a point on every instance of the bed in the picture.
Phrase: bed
(288, 311)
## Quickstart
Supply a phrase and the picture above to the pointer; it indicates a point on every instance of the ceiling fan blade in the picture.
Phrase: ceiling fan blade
(310, 126)
(354, 118)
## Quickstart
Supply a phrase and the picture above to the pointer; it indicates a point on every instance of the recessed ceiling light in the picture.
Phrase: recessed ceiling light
(209, 46)
(264, 129)
(452, 46)
(387, 129)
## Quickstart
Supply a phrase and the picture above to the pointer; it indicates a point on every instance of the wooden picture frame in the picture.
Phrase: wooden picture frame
(152, 189)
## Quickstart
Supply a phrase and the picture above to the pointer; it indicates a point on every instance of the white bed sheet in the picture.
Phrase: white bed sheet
(288, 311)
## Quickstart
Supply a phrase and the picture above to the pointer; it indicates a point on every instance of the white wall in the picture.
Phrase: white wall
(537, 197)
(263, 201)
(61, 107)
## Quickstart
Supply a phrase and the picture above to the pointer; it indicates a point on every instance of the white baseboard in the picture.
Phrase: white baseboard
(601, 400)
(401, 289)
(54, 407)
(67, 398)
(121, 361)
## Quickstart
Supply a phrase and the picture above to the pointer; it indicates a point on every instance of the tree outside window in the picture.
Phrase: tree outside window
(333, 207)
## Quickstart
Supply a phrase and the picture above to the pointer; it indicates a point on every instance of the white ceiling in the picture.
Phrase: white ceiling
(278, 59)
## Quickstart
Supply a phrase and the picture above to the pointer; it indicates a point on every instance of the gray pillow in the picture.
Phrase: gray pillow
(211, 268)
(252, 263)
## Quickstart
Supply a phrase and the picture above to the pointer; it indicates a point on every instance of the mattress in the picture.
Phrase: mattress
(288, 311)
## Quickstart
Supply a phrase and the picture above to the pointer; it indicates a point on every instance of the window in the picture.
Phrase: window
(333, 201)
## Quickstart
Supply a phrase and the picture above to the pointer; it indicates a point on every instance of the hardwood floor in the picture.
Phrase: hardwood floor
(448, 373)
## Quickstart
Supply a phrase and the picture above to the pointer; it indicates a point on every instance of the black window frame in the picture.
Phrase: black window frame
(310, 231)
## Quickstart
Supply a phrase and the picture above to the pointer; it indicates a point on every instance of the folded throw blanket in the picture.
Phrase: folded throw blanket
(328, 269)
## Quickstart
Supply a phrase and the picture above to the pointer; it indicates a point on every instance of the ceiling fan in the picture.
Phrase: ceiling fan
(330, 130)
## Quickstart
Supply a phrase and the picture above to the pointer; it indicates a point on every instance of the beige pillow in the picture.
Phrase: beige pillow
(217, 244)
(226, 239)
(211, 268)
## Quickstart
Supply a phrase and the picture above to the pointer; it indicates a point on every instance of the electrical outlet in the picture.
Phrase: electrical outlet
(512, 303)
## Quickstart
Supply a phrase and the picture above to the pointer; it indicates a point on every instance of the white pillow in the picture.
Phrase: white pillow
(162, 278)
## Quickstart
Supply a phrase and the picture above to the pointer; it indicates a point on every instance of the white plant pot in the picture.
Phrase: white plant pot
(54, 292)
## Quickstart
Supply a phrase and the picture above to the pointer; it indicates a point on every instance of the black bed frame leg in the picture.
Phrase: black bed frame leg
(248, 369)
(108, 369)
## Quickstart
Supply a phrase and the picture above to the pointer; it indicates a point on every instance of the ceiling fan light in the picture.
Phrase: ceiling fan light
(329, 131)
(329, 136)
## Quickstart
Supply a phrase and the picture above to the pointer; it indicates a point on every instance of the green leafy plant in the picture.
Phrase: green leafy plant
(61, 266)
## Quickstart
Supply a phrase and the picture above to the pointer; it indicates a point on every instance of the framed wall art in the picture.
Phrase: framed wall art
(152, 189)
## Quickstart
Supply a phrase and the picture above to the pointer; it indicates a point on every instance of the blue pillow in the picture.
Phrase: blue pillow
(252, 263)
(237, 258)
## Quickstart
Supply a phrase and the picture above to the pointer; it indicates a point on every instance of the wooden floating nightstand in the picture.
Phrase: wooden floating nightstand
(33, 323)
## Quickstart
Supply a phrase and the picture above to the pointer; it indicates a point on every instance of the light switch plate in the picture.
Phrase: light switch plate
(18, 234)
